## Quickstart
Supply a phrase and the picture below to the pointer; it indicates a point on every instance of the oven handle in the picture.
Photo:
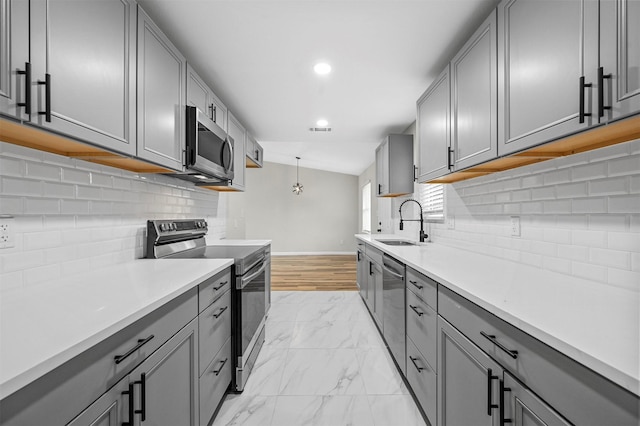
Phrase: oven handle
(245, 280)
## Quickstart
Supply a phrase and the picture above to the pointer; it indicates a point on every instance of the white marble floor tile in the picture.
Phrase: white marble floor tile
(395, 410)
(267, 372)
(364, 334)
(379, 373)
(321, 372)
(278, 297)
(245, 410)
(332, 312)
(283, 312)
(322, 334)
(278, 334)
(322, 411)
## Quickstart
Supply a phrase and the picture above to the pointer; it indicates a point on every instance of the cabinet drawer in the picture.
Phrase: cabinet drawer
(422, 326)
(578, 393)
(423, 380)
(374, 254)
(213, 288)
(214, 328)
(48, 397)
(423, 286)
(214, 382)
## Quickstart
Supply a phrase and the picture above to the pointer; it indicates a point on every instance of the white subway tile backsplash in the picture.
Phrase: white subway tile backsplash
(624, 166)
(589, 205)
(42, 171)
(557, 206)
(626, 241)
(100, 179)
(556, 264)
(608, 222)
(41, 206)
(610, 258)
(58, 190)
(635, 261)
(623, 278)
(572, 252)
(11, 166)
(23, 187)
(521, 195)
(543, 193)
(634, 186)
(557, 176)
(589, 271)
(609, 186)
(572, 190)
(531, 208)
(624, 204)
(74, 207)
(558, 236)
(76, 176)
(41, 240)
(589, 238)
(589, 171)
(11, 205)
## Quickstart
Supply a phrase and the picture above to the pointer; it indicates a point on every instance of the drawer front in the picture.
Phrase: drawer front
(423, 286)
(214, 328)
(213, 288)
(214, 382)
(422, 327)
(578, 393)
(423, 380)
(48, 397)
(374, 254)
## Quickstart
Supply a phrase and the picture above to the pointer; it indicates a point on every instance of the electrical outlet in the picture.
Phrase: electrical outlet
(515, 226)
(451, 222)
(7, 235)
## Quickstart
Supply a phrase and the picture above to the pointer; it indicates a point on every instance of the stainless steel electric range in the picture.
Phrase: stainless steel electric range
(185, 239)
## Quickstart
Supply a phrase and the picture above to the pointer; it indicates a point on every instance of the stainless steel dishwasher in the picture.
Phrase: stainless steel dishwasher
(393, 294)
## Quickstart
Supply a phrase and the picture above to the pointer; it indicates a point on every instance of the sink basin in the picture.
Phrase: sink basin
(397, 242)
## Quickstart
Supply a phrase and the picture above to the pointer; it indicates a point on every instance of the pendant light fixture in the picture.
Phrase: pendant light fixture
(297, 188)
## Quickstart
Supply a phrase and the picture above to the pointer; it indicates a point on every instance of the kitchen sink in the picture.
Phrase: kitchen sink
(397, 242)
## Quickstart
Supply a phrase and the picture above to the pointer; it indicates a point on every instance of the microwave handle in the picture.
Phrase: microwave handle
(228, 167)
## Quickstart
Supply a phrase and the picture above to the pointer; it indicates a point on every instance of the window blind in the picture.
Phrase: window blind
(432, 200)
(366, 208)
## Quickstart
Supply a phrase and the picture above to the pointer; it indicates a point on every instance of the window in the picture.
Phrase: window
(366, 208)
(432, 200)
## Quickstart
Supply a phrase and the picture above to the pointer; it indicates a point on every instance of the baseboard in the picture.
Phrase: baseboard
(314, 253)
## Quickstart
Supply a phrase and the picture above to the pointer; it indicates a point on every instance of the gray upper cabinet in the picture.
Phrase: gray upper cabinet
(394, 166)
(474, 108)
(618, 75)
(433, 130)
(83, 57)
(254, 152)
(14, 58)
(237, 131)
(543, 55)
(202, 97)
(161, 96)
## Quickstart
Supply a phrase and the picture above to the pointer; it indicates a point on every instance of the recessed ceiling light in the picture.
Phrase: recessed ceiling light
(322, 68)
(322, 123)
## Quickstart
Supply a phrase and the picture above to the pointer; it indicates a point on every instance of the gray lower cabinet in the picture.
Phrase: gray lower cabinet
(544, 50)
(14, 58)
(111, 409)
(423, 380)
(371, 286)
(619, 59)
(161, 87)
(362, 273)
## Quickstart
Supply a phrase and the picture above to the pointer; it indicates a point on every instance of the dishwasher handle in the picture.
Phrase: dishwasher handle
(393, 273)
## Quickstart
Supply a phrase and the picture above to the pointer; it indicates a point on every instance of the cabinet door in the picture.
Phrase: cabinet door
(84, 70)
(238, 133)
(111, 409)
(544, 49)
(161, 96)
(523, 408)
(14, 55)
(361, 273)
(474, 93)
(382, 168)
(620, 58)
(378, 301)
(166, 383)
(468, 381)
(197, 92)
(218, 111)
(433, 129)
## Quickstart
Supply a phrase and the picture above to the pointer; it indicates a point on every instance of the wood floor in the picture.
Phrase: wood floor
(313, 273)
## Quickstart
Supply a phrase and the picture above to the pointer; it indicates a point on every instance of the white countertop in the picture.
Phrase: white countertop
(43, 326)
(596, 324)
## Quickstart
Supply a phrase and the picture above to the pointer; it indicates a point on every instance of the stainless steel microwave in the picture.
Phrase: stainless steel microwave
(209, 150)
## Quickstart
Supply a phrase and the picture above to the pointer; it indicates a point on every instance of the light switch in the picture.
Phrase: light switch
(7, 232)
(515, 226)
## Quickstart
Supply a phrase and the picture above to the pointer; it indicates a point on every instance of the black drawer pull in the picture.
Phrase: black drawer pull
(503, 390)
(220, 312)
(413, 360)
(415, 309)
(581, 108)
(141, 342)
(27, 88)
(490, 404)
(143, 396)
(223, 362)
(601, 106)
(130, 393)
(492, 338)
(47, 97)
(222, 284)
(415, 283)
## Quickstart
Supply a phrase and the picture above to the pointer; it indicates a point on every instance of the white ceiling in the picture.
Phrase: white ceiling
(258, 56)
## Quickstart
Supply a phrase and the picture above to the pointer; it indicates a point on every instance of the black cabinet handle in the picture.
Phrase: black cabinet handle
(413, 360)
(222, 284)
(358, 256)
(449, 158)
(492, 338)
(379, 188)
(583, 86)
(258, 155)
(220, 312)
(490, 404)
(503, 390)
(370, 268)
(130, 393)
(415, 283)
(47, 97)
(27, 88)
(415, 309)
(141, 342)
(223, 362)
(601, 105)
(143, 396)
(415, 173)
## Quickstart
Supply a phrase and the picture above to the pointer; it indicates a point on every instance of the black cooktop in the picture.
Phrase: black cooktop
(244, 256)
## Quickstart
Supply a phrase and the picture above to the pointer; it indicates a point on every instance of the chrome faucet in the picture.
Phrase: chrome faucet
(423, 236)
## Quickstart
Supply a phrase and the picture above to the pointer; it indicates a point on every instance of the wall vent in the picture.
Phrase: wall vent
(319, 129)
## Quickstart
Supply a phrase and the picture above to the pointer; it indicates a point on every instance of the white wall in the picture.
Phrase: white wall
(323, 219)
(580, 215)
(368, 176)
(73, 216)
